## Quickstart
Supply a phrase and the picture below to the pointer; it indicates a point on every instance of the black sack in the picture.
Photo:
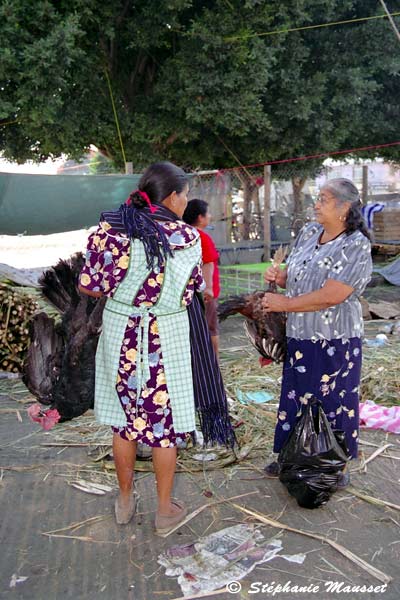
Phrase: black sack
(312, 458)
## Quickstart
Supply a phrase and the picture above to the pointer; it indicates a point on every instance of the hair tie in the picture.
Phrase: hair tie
(145, 198)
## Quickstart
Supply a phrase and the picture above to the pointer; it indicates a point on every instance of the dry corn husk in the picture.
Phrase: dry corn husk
(380, 376)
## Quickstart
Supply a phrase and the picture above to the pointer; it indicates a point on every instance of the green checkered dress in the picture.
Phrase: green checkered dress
(173, 327)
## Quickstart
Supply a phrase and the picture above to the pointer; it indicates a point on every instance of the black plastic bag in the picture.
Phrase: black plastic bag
(311, 488)
(312, 458)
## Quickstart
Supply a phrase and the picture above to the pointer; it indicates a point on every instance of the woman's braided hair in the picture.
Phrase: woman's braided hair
(344, 190)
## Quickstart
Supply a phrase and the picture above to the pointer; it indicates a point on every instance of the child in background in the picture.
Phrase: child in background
(198, 215)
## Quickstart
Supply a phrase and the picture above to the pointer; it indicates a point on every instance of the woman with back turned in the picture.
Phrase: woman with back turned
(146, 260)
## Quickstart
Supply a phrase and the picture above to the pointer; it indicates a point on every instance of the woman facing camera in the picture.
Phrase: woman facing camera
(326, 272)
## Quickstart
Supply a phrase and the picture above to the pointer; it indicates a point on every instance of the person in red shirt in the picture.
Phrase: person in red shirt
(198, 215)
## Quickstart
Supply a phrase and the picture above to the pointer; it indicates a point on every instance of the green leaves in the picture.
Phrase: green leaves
(192, 79)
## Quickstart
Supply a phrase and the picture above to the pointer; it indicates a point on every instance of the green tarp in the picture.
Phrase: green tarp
(42, 204)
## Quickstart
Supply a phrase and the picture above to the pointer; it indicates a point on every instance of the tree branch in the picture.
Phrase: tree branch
(124, 12)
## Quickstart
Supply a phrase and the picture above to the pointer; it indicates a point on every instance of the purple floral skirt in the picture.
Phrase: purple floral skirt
(330, 370)
(149, 417)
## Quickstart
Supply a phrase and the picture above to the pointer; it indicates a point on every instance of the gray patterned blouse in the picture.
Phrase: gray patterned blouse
(347, 258)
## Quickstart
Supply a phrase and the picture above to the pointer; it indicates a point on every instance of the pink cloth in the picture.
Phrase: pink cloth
(376, 416)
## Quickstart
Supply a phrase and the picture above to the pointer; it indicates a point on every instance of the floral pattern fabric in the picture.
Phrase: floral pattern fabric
(149, 417)
(347, 259)
(107, 260)
(328, 370)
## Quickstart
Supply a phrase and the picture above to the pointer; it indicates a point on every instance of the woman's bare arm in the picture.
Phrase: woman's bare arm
(333, 292)
(90, 292)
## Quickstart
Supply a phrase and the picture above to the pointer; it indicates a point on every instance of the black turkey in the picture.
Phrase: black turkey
(59, 368)
(265, 330)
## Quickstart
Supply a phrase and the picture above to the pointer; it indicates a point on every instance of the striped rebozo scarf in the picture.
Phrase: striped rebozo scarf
(140, 224)
(209, 392)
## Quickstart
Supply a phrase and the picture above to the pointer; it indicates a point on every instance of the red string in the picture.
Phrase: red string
(145, 198)
(288, 160)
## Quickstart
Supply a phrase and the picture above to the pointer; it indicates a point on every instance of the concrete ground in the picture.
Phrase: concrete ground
(102, 560)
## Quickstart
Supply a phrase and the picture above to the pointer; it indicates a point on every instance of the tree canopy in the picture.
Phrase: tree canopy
(195, 81)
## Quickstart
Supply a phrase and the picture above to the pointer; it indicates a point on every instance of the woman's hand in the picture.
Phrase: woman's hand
(275, 302)
(208, 295)
(275, 275)
(208, 270)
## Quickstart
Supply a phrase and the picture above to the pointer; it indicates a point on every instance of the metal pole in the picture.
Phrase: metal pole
(364, 191)
(267, 212)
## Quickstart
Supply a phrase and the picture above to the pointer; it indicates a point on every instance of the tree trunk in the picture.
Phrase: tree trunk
(266, 220)
(248, 194)
(298, 206)
(250, 188)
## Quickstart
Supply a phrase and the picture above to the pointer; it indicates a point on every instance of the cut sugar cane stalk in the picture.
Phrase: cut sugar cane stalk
(373, 571)
(372, 499)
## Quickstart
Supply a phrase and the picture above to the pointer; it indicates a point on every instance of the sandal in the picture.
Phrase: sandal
(164, 524)
(124, 514)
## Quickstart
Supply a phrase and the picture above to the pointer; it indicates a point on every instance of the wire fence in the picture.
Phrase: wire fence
(237, 202)
(241, 280)
(248, 223)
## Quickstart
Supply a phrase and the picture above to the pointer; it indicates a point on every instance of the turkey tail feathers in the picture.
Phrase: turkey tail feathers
(274, 350)
(279, 256)
(278, 259)
(43, 360)
(267, 347)
(60, 365)
(251, 332)
(59, 284)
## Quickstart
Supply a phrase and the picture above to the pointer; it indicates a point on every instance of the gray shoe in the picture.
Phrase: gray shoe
(124, 513)
(164, 524)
